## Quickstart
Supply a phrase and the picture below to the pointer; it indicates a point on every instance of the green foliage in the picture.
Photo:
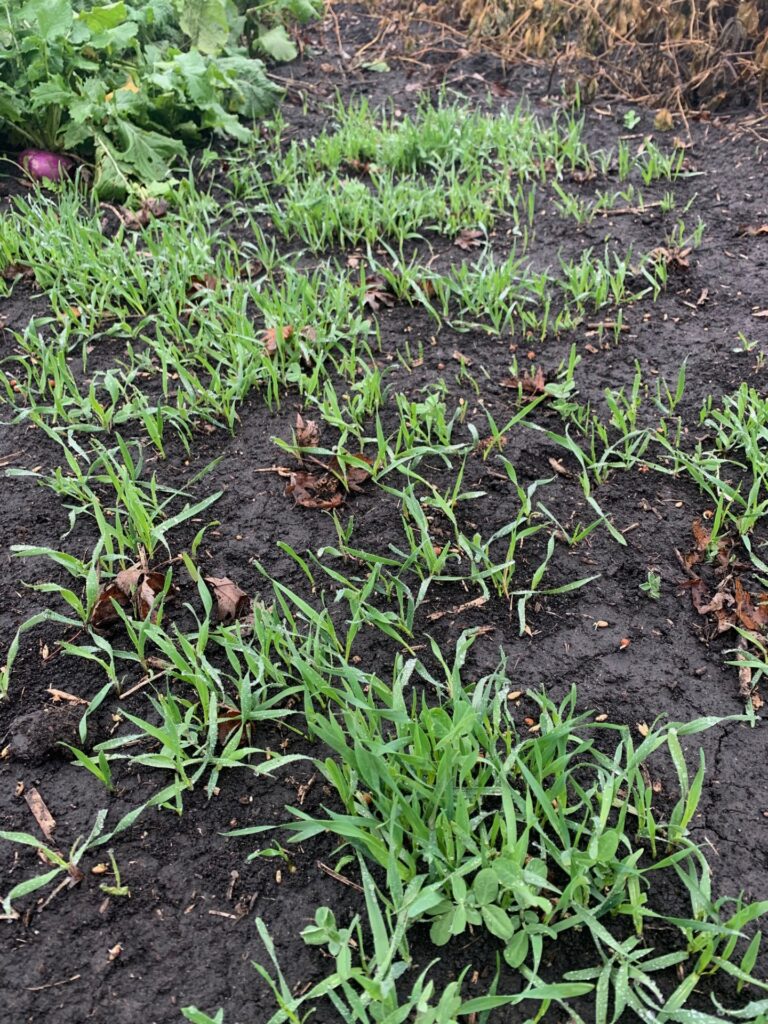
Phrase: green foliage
(125, 86)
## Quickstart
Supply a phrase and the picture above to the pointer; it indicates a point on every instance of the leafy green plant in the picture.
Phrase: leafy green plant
(523, 837)
(111, 82)
(363, 987)
(652, 585)
(117, 888)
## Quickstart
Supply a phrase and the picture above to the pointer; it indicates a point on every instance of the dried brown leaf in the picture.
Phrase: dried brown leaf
(311, 490)
(753, 230)
(135, 220)
(701, 536)
(12, 271)
(377, 294)
(499, 89)
(752, 616)
(104, 615)
(531, 384)
(360, 167)
(232, 603)
(672, 257)
(269, 338)
(558, 467)
(307, 432)
(353, 476)
(45, 820)
(229, 721)
(468, 239)
(136, 587)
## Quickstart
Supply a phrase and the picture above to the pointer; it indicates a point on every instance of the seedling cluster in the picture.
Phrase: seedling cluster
(466, 804)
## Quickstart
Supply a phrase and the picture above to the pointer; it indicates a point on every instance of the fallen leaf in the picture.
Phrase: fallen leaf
(136, 587)
(476, 602)
(12, 271)
(311, 490)
(45, 820)
(206, 283)
(63, 695)
(583, 175)
(145, 593)
(672, 257)
(461, 358)
(360, 167)
(468, 239)
(229, 720)
(351, 476)
(663, 121)
(753, 230)
(232, 603)
(135, 220)
(701, 535)
(558, 467)
(533, 384)
(269, 338)
(307, 432)
(752, 617)
(377, 294)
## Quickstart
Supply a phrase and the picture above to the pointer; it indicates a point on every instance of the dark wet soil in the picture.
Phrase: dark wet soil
(187, 933)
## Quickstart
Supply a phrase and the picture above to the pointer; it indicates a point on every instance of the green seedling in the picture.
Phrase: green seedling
(117, 889)
(652, 585)
(98, 767)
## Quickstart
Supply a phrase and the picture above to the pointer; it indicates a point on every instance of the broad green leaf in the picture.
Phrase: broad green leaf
(53, 92)
(440, 932)
(198, 1017)
(485, 887)
(277, 44)
(205, 22)
(99, 19)
(498, 922)
(51, 18)
(516, 950)
(28, 886)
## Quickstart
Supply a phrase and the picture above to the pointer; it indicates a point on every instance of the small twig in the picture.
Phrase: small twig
(621, 211)
(339, 878)
(686, 568)
(478, 602)
(53, 984)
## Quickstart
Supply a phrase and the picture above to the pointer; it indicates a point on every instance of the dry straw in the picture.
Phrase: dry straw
(697, 53)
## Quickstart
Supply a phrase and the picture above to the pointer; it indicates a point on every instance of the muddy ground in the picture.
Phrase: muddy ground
(187, 933)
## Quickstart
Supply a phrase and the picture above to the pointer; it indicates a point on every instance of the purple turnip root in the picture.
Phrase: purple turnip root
(40, 164)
